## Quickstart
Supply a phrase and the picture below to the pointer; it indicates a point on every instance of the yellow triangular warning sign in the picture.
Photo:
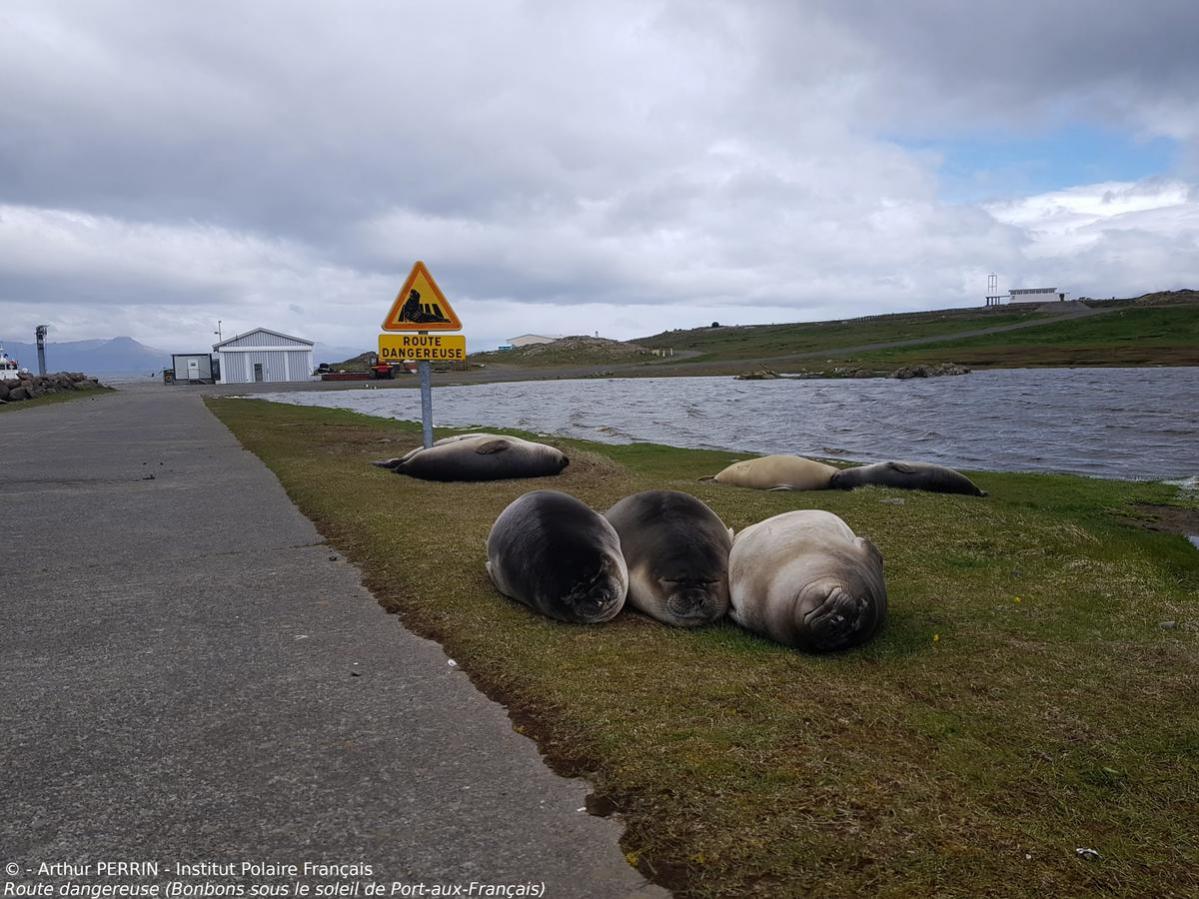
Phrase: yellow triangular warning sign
(421, 306)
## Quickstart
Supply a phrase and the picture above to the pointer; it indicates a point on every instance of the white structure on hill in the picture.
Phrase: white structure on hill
(1023, 295)
(1035, 295)
(530, 339)
(264, 355)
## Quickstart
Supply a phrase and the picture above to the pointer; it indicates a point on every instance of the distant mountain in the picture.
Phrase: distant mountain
(93, 357)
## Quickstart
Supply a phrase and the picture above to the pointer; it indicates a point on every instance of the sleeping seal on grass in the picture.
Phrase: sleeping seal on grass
(777, 473)
(906, 476)
(677, 553)
(554, 554)
(482, 457)
(803, 579)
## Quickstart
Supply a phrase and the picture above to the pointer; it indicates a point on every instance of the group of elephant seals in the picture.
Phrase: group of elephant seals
(777, 473)
(797, 473)
(479, 457)
(677, 553)
(906, 476)
(555, 555)
(805, 580)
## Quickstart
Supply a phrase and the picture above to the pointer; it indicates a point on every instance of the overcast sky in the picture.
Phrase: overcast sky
(567, 167)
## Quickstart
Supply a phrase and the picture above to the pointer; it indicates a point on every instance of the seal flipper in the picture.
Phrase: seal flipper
(389, 464)
(491, 447)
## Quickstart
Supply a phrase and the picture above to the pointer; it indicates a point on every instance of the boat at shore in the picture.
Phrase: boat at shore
(10, 368)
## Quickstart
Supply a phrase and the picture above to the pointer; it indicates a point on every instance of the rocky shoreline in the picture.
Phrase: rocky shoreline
(903, 374)
(28, 387)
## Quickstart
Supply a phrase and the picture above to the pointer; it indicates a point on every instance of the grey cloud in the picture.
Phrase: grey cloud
(631, 160)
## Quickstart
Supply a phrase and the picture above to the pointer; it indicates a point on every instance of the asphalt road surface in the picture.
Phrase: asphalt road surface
(188, 673)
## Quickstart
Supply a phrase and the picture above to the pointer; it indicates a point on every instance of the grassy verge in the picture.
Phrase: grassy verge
(1023, 701)
(50, 399)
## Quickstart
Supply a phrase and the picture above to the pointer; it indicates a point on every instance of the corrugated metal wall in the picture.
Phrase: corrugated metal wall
(277, 365)
(300, 364)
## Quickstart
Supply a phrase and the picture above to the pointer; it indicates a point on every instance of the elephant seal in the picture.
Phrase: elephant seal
(906, 476)
(481, 457)
(456, 437)
(803, 579)
(558, 557)
(677, 553)
(777, 473)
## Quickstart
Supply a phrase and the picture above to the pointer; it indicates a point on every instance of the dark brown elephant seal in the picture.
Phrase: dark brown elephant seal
(906, 476)
(483, 457)
(805, 580)
(559, 557)
(677, 553)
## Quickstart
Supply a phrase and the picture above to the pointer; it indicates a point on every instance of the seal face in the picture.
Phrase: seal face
(805, 580)
(677, 552)
(479, 457)
(777, 473)
(554, 554)
(907, 476)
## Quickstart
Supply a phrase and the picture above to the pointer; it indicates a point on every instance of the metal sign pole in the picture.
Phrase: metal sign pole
(426, 399)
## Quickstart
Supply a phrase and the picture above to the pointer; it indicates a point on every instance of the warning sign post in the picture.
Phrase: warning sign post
(422, 348)
(420, 306)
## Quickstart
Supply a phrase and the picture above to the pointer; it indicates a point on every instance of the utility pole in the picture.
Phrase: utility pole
(217, 332)
(41, 349)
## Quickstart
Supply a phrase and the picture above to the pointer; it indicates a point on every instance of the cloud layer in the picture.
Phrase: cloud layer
(623, 167)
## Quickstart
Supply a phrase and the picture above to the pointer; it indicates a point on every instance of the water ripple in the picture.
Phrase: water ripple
(1122, 423)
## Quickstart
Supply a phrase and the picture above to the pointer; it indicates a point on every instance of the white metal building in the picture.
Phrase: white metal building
(530, 339)
(264, 355)
(1035, 295)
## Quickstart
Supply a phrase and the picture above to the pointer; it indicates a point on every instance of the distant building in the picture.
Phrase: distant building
(264, 355)
(1028, 295)
(1035, 295)
(530, 339)
(192, 367)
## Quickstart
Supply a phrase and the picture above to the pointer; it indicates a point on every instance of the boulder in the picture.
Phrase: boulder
(929, 371)
(763, 374)
(17, 394)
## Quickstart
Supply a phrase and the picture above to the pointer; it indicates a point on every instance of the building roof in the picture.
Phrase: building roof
(237, 337)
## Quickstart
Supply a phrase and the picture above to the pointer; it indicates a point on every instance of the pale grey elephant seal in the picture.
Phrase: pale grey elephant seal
(456, 437)
(777, 473)
(480, 458)
(906, 476)
(677, 553)
(557, 556)
(803, 579)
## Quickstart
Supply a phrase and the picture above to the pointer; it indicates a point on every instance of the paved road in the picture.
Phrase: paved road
(188, 673)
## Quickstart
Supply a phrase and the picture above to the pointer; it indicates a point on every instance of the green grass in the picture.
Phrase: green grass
(1153, 335)
(1125, 333)
(965, 752)
(766, 341)
(50, 399)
